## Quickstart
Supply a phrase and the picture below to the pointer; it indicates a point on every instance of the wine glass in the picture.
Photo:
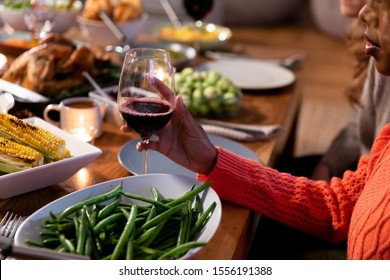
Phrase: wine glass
(198, 9)
(39, 17)
(142, 106)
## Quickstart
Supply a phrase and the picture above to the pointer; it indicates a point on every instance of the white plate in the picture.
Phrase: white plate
(52, 173)
(133, 161)
(170, 186)
(251, 74)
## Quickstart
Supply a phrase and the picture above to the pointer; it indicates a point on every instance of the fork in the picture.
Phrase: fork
(9, 225)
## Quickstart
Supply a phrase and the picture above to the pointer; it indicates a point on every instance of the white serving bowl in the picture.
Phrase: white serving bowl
(13, 18)
(38, 177)
(168, 185)
(97, 33)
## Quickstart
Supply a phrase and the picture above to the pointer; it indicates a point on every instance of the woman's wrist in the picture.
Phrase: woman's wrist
(211, 162)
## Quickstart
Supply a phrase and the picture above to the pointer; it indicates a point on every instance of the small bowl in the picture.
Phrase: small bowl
(14, 21)
(97, 33)
(210, 37)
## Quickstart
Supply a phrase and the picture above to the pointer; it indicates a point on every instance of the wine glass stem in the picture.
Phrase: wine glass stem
(145, 144)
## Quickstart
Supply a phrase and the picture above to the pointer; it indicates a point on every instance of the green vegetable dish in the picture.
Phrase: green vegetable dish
(208, 94)
(105, 227)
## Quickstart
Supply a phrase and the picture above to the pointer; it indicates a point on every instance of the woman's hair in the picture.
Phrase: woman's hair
(356, 44)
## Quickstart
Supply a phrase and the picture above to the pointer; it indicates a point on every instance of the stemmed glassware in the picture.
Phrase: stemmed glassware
(144, 107)
(39, 16)
(198, 9)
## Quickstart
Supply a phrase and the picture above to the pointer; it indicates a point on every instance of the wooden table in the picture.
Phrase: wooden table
(233, 237)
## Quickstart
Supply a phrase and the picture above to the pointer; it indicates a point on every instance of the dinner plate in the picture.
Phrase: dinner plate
(133, 161)
(251, 74)
(168, 185)
(38, 177)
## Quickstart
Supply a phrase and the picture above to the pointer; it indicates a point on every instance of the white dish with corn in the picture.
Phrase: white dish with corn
(35, 154)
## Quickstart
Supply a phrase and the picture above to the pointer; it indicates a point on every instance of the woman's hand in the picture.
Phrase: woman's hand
(321, 172)
(183, 140)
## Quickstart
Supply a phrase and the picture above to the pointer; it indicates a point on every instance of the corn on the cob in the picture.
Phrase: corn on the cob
(51, 146)
(16, 157)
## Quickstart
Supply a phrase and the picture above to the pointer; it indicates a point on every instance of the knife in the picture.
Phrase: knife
(21, 92)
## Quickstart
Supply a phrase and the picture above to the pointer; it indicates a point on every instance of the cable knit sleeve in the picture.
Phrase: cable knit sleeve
(311, 206)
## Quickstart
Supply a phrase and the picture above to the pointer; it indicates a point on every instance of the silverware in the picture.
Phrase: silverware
(112, 26)
(291, 62)
(95, 85)
(171, 13)
(9, 225)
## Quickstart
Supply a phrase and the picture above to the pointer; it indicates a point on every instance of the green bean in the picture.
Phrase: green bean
(198, 207)
(106, 221)
(182, 237)
(47, 234)
(150, 251)
(190, 194)
(109, 208)
(189, 221)
(129, 227)
(88, 248)
(181, 249)
(153, 210)
(150, 235)
(202, 219)
(145, 199)
(67, 243)
(161, 217)
(91, 201)
(51, 242)
(130, 246)
(34, 243)
(82, 232)
(166, 243)
(52, 216)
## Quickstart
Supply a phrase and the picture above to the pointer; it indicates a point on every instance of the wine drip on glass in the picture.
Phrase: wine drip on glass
(143, 107)
(39, 17)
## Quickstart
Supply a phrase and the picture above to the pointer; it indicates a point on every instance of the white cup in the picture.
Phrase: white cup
(81, 117)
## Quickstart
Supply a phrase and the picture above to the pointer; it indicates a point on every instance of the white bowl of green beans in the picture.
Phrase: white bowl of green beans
(156, 216)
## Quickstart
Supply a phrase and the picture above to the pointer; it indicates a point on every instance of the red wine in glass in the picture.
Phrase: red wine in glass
(145, 116)
(146, 92)
(198, 9)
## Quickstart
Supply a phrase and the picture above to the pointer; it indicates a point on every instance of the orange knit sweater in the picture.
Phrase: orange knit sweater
(356, 207)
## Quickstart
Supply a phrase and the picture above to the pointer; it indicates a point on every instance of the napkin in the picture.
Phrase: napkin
(241, 132)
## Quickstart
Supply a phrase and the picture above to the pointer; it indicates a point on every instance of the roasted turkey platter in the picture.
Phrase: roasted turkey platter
(54, 69)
